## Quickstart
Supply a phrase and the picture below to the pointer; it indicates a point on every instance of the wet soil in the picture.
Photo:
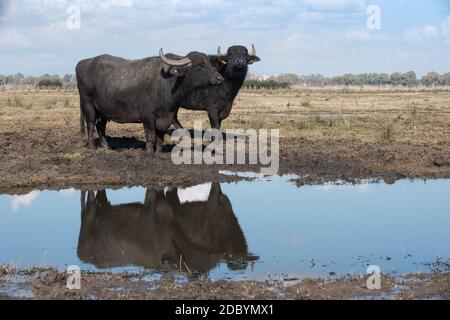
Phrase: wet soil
(55, 157)
(45, 284)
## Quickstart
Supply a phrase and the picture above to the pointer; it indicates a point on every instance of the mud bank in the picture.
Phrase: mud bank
(36, 283)
(52, 159)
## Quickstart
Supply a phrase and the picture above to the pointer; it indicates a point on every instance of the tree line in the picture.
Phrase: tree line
(265, 84)
(282, 81)
(407, 79)
(45, 80)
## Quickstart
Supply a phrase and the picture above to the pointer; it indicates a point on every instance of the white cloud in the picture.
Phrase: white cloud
(105, 4)
(13, 38)
(420, 35)
(334, 5)
(68, 192)
(362, 188)
(23, 201)
(446, 27)
(429, 32)
(363, 36)
(198, 193)
(402, 54)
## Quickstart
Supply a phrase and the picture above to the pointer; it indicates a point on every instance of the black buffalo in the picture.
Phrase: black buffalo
(218, 100)
(161, 232)
(146, 91)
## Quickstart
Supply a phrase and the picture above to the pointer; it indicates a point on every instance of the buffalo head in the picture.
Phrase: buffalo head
(237, 59)
(196, 69)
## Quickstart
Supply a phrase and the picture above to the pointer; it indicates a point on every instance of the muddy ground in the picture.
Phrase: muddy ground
(43, 284)
(325, 135)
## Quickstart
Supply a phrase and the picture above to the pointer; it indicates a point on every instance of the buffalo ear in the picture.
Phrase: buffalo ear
(215, 61)
(253, 59)
(223, 59)
(177, 71)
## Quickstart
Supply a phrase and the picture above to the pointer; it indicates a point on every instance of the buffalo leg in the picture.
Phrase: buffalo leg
(150, 198)
(159, 140)
(101, 129)
(91, 140)
(83, 199)
(101, 198)
(225, 112)
(150, 136)
(214, 119)
(89, 115)
(89, 211)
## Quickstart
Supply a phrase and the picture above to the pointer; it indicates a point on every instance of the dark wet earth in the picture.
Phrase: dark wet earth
(259, 229)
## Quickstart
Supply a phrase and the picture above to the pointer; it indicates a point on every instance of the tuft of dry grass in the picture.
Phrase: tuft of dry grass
(306, 104)
(66, 103)
(388, 132)
(18, 102)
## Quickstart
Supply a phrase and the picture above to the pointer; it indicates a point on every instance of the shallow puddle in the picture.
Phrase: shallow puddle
(257, 229)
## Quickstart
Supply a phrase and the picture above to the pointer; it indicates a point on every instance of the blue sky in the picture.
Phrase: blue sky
(304, 36)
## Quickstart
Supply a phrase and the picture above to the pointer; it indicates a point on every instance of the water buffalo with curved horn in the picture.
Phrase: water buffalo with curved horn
(147, 91)
(160, 232)
(217, 101)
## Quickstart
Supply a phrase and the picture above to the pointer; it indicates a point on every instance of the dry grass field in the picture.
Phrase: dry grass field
(415, 116)
(332, 133)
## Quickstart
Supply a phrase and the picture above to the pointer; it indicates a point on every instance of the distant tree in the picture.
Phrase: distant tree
(396, 79)
(18, 78)
(383, 79)
(431, 79)
(45, 83)
(265, 84)
(69, 79)
(408, 79)
(446, 79)
(312, 80)
(289, 78)
(30, 80)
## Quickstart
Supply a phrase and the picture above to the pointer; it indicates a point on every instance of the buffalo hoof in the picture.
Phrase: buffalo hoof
(104, 144)
(150, 151)
(91, 145)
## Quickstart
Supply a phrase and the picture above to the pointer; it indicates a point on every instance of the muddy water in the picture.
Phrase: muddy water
(259, 229)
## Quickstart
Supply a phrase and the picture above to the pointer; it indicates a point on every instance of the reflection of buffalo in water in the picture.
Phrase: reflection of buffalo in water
(161, 232)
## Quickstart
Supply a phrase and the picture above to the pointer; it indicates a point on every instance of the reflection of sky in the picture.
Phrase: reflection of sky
(45, 227)
(286, 226)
